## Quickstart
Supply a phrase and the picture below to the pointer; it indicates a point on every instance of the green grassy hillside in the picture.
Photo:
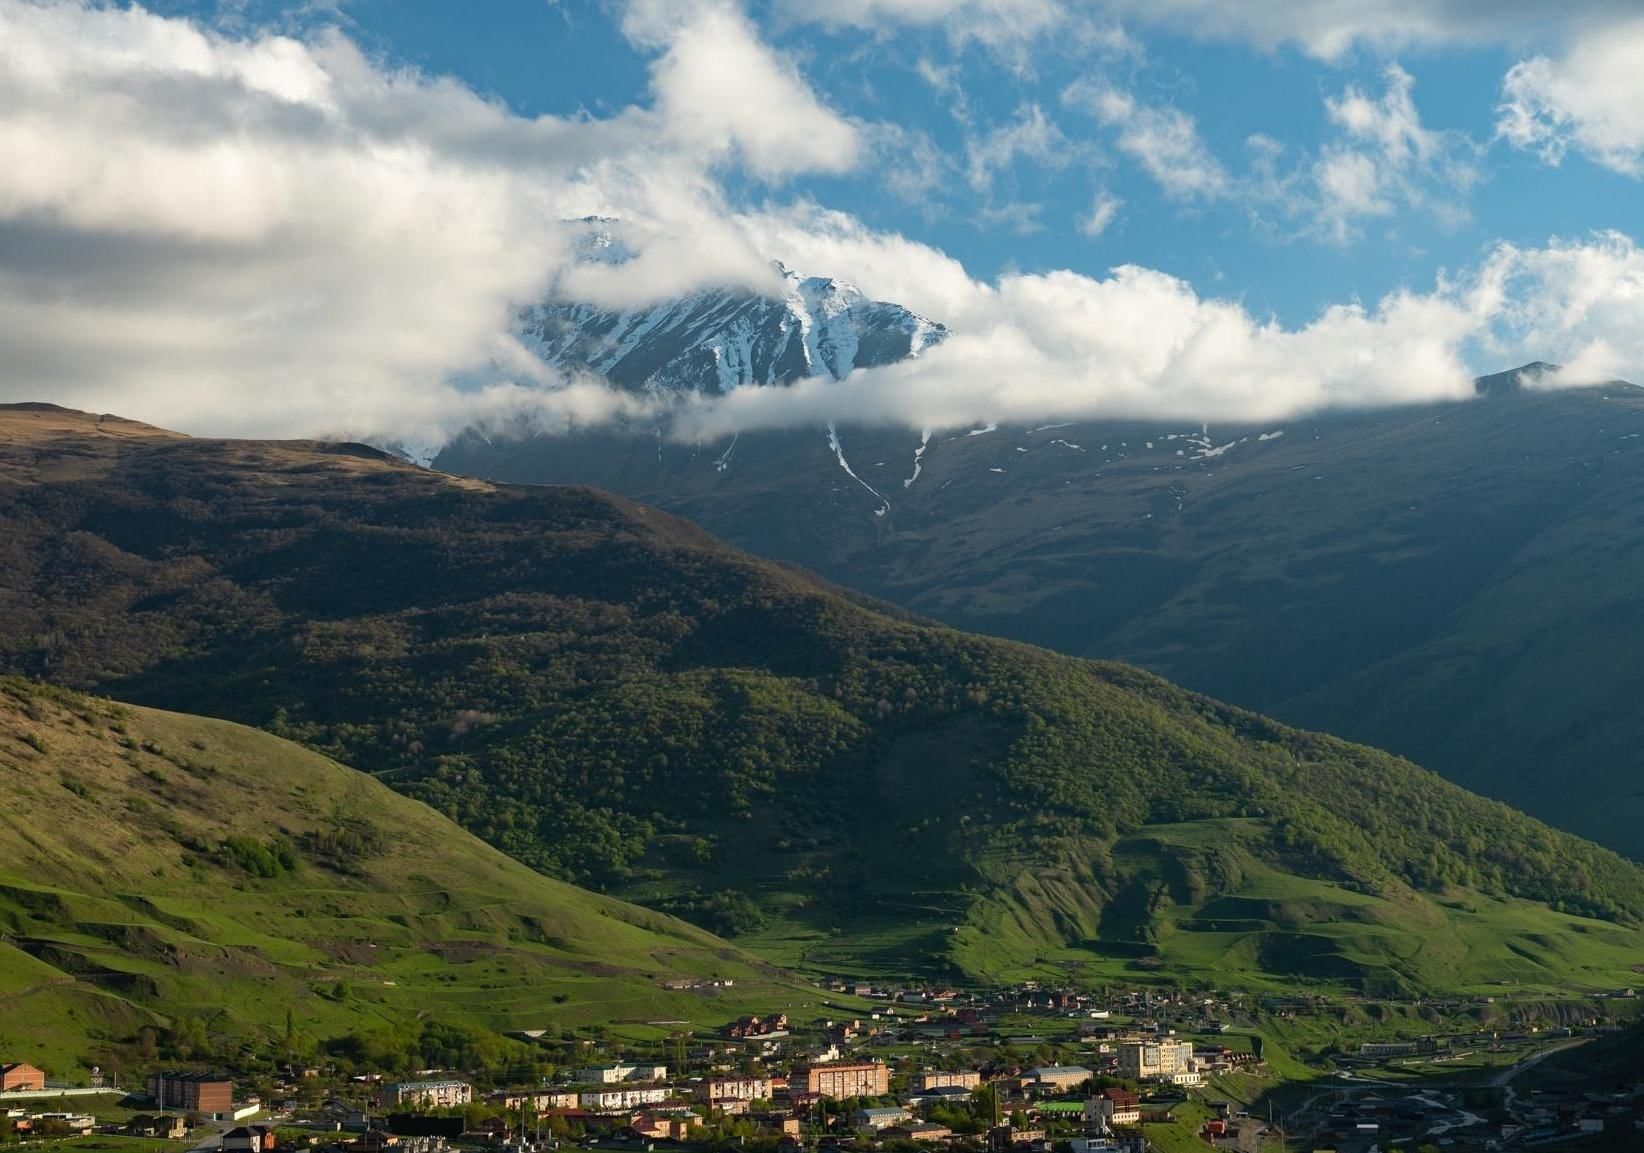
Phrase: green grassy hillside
(159, 870)
(615, 698)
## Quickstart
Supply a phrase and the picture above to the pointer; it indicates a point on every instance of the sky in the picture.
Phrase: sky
(247, 218)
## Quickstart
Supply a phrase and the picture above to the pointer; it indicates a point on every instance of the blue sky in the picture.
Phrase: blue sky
(244, 216)
(572, 57)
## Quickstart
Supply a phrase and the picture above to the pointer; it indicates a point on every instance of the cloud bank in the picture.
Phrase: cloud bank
(261, 235)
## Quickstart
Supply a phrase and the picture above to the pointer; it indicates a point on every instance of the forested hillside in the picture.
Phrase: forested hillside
(1451, 582)
(615, 698)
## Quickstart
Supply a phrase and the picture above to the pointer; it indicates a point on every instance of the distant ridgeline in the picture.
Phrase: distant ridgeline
(612, 696)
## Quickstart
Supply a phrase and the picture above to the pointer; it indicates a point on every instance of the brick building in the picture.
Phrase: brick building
(208, 1093)
(19, 1077)
(843, 1079)
(714, 1089)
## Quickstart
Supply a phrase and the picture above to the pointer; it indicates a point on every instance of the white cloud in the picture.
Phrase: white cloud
(1324, 28)
(1164, 141)
(263, 234)
(1103, 211)
(1140, 343)
(1136, 343)
(272, 236)
(1031, 136)
(1577, 303)
(1590, 97)
(1387, 159)
(993, 22)
(719, 87)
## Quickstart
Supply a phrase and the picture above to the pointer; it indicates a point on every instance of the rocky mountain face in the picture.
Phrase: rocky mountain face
(717, 340)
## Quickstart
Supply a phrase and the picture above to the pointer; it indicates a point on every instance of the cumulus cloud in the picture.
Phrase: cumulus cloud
(1387, 158)
(1578, 302)
(1590, 98)
(1141, 343)
(272, 235)
(1136, 343)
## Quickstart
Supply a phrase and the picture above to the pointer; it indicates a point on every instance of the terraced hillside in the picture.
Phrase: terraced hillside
(615, 698)
(194, 876)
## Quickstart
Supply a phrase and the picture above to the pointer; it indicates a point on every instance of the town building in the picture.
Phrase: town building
(879, 1118)
(966, 1079)
(166, 1127)
(843, 1079)
(1380, 1050)
(623, 1097)
(1114, 1107)
(208, 1093)
(249, 1139)
(536, 1101)
(751, 1027)
(716, 1089)
(617, 1074)
(1060, 1078)
(917, 1131)
(431, 1094)
(21, 1077)
(1166, 1059)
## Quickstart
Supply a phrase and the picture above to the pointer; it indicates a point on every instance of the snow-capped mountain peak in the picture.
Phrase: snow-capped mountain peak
(719, 339)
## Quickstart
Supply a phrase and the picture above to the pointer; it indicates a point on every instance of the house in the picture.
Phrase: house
(747, 1027)
(20, 1077)
(917, 1131)
(64, 1122)
(167, 1127)
(1058, 1078)
(1114, 1107)
(431, 1094)
(651, 1127)
(877, 1118)
(249, 1139)
(783, 1123)
(208, 1093)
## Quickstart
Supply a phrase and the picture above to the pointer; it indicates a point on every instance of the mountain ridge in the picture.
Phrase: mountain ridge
(612, 695)
(1278, 566)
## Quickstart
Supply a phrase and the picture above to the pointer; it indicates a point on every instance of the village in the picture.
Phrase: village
(1025, 1070)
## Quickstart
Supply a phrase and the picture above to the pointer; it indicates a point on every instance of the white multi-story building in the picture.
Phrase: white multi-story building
(626, 1097)
(431, 1094)
(616, 1074)
(1164, 1060)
